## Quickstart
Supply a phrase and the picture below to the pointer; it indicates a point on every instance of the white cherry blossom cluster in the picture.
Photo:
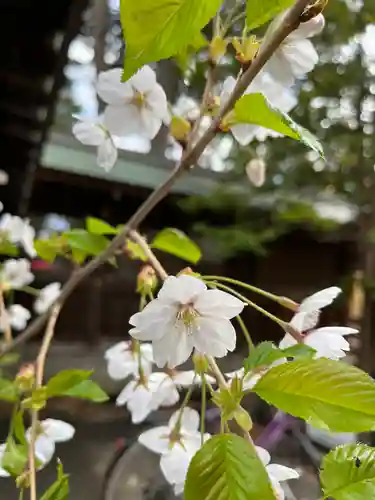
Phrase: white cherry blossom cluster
(138, 106)
(187, 317)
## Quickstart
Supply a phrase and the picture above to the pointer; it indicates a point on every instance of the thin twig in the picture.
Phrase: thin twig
(40, 364)
(205, 98)
(290, 22)
(4, 318)
(153, 260)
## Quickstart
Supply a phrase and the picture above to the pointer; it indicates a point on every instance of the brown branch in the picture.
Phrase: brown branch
(4, 317)
(290, 22)
(40, 364)
(153, 260)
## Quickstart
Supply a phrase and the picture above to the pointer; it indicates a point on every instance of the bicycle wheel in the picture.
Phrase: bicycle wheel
(136, 475)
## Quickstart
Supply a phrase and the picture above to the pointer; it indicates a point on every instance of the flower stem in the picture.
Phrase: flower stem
(247, 286)
(184, 404)
(245, 332)
(255, 306)
(31, 290)
(203, 407)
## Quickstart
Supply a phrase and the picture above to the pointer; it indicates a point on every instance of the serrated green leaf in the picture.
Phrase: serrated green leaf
(197, 43)
(176, 242)
(255, 109)
(91, 244)
(227, 467)
(97, 226)
(15, 458)
(348, 473)
(8, 391)
(258, 12)
(65, 381)
(262, 356)
(159, 30)
(59, 490)
(328, 394)
(88, 389)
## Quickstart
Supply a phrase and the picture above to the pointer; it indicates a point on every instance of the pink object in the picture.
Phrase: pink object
(40, 265)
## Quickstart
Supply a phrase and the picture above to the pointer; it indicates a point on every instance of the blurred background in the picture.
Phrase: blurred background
(311, 224)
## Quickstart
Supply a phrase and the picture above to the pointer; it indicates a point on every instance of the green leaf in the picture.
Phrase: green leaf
(66, 380)
(18, 427)
(8, 391)
(255, 109)
(262, 356)
(197, 43)
(155, 30)
(227, 467)
(348, 472)
(7, 248)
(59, 490)
(327, 394)
(299, 351)
(258, 12)
(177, 243)
(9, 359)
(14, 458)
(92, 244)
(45, 250)
(135, 251)
(97, 226)
(88, 390)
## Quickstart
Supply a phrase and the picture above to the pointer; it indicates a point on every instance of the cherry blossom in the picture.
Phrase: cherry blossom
(123, 359)
(47, 297)
(181, 432)
(19, 231)
(137, 106)
(50, 432)
(279, 97)
(146, 394)
(16, 317)
(174, 466)
(94, 133)
(277, 473)
(250, 379)
(296, 55)
(15, 274)
(319, 300)
(187, 315)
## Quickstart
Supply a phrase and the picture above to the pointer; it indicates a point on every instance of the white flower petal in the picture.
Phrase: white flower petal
(3, 472)
(175, 464)
(123, 120)
(189, 419)
(287, 341)
(154, 321)
(301, 55)
(107, 154)
(118, 369)
(282, 473)
(151, 123)
(156, 439)
(18, 316)
(144, 80)
(88, 133)
(44, 449)
(280, 69)
(305, 321)
(140, 404)
(110, 88)
(157, 101)
(244, 133)
(336, 330)
(117, 350)
(218, 304)
(182, 289)
(126, 393)
(310, 28)
(174, 348)
(319, 299)
(215, 336)
(57, 430)
(263, 454)
(47, 297)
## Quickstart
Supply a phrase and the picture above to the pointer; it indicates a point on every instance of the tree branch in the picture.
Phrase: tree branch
(290, 21)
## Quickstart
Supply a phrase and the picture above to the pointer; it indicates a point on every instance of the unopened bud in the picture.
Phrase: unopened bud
(180, 128)
(25, 378)
(213, 105)
(23, 481)
(200, 363)
(243, 419)
(288, 303)
(256, 172)
(245, 49)
(218, 48)
(147, 280)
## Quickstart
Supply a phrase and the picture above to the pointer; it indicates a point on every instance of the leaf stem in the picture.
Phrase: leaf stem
(246, 333)
(247, 286)
(203, 407)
